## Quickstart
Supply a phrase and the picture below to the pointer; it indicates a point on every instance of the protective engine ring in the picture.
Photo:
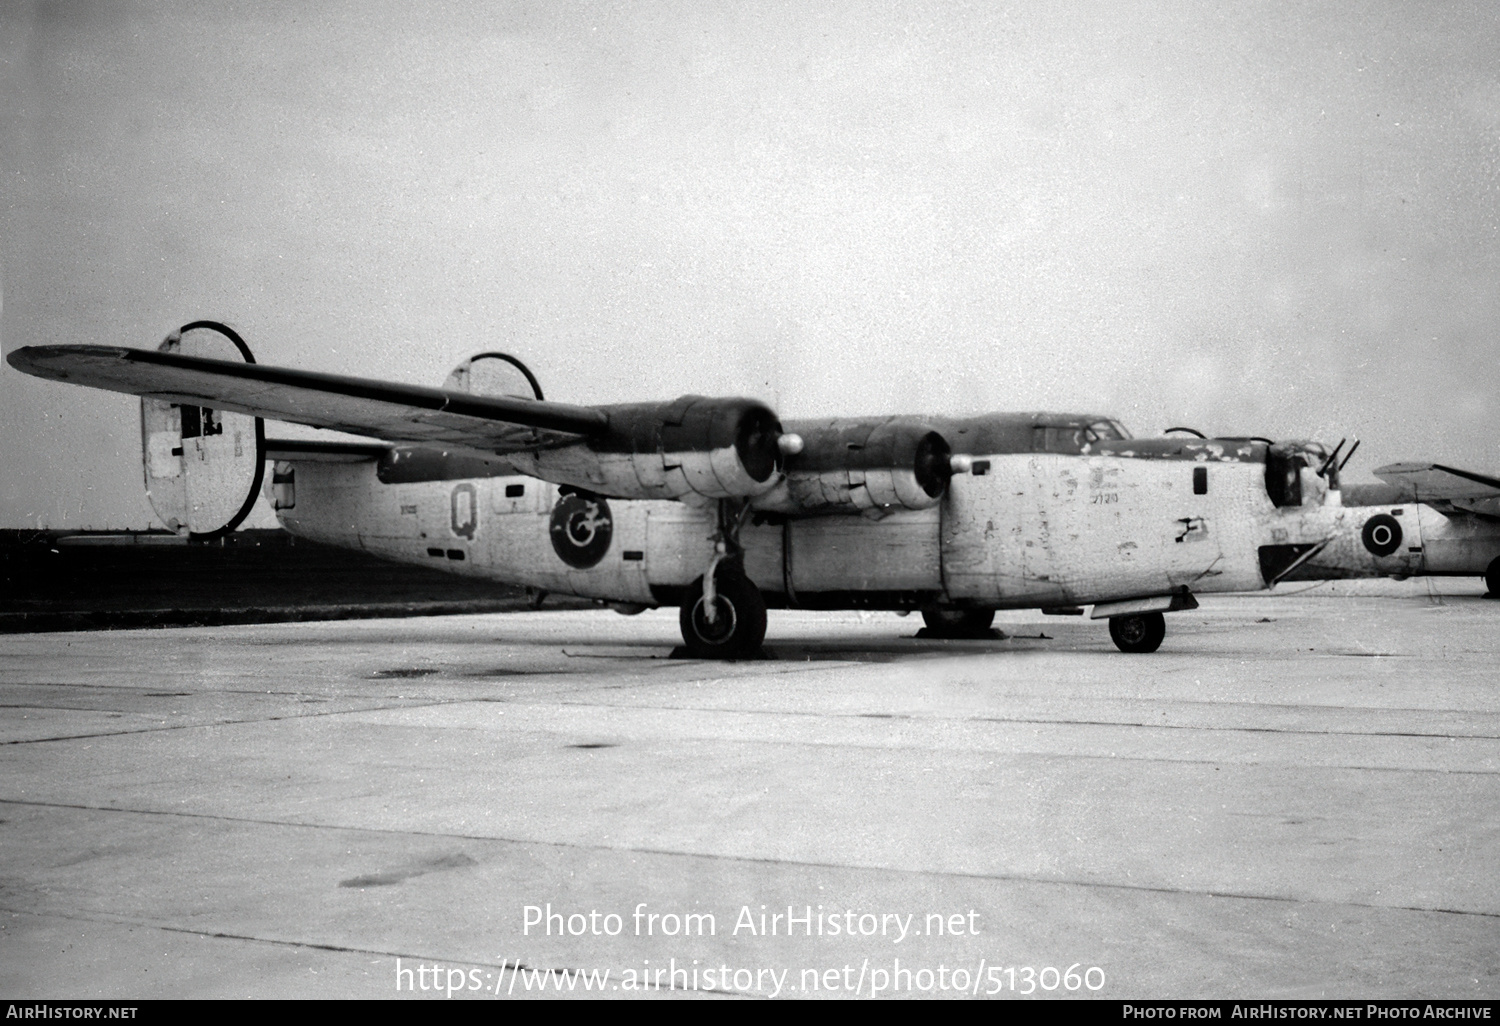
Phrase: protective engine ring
(1382, 534)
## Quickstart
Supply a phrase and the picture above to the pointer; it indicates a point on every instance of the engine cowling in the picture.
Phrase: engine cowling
(692, 446)
(864, 464)
(203, 466)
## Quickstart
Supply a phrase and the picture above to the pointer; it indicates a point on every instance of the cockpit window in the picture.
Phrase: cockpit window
(1108, 431)
(1065, 440)
(1073, 439)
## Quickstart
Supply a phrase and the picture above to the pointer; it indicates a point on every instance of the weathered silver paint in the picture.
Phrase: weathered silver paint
(710, 474)
(200, 483)
(1045, 530)
(1034, 530)
(508, 539)
(1431, 543)
(1457, 545)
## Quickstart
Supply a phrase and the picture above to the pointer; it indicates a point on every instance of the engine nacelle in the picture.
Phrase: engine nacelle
(692, 446)
(203, 466)
(866, 464)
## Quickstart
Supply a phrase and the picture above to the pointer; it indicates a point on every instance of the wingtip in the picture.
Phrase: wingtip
(22, 359)
(51, 362)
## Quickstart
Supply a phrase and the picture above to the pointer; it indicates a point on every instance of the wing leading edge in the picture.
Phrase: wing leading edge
(362, 406)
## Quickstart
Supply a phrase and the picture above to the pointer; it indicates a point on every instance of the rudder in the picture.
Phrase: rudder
(203, 466)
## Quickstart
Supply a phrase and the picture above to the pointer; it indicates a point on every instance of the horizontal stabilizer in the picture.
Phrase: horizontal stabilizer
(1450, 491)
(1483, 507)
(361, 406)
(1435, 481)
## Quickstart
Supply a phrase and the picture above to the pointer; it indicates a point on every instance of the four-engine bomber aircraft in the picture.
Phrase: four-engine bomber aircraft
(715, 505)
(1426, 520)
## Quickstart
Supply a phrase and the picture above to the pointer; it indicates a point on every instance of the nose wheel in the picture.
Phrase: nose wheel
(1139, 632)
(738, 623)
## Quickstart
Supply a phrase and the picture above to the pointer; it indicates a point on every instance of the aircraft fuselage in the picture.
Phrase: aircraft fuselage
(1024, 530)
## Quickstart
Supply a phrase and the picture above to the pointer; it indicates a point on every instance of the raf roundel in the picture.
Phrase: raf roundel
(581, 530)
(1382, 534)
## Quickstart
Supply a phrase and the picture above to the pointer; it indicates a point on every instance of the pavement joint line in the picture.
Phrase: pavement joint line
(1312, 708)
(917, 717)
(981, 719)
(502, 967)
(1248, 730)
(792, 744)
(453, 676)
(758, 860)
(67, 708)
(143, 688)
(309, 715)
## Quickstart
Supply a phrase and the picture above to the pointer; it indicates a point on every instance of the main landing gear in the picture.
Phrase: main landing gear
(737, 625)
(1138, 632)
(724, 614)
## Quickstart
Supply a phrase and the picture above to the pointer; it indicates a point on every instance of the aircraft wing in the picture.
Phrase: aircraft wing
(1446, 489)
(361, 406)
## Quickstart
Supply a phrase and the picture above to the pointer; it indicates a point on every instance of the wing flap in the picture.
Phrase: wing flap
(362, 406)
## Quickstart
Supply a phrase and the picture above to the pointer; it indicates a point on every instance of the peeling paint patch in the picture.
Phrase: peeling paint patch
(1193, 529)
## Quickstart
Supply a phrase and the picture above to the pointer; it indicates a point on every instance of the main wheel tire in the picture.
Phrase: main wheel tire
(1141, 632)
(739, 625)
(1492, 578)
(958, 623)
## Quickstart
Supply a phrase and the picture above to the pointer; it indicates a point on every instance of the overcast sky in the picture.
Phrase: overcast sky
(1267, 218)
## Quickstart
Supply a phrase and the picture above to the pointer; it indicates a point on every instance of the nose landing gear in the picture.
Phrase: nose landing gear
(1138, 632)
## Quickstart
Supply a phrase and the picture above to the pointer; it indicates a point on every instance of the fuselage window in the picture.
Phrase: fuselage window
(200, 422)
(1200, 480)
(515, 491)
(283, 486)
